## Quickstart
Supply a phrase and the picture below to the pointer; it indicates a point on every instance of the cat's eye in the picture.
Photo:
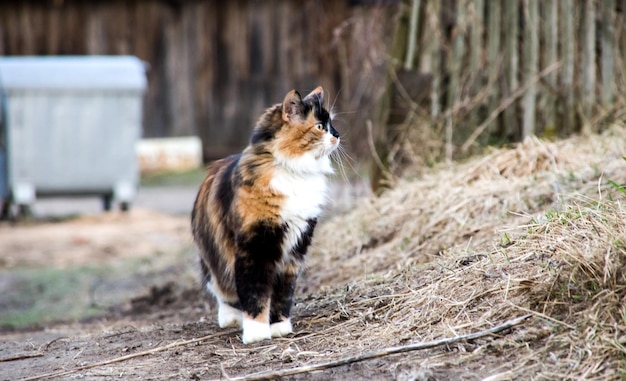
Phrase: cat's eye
(319, 126)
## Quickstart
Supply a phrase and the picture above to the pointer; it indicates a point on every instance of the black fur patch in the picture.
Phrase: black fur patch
(263, 241)
(282, 297)
(267, 126)
(206, 274)
(322, 115)
(217, 263)
(332, 130)
(262, 134)
(305, 240)
(225, 192)
(227, 183)
(255, 266)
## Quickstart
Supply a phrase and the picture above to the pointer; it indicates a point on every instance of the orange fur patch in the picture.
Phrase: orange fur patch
(294, 139)
(263, 317)
(258, 204)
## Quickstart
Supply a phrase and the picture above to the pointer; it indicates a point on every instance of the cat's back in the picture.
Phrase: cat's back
(215, 189)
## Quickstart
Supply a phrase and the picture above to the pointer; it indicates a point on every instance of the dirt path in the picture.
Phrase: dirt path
(77, 291)
(138, 269)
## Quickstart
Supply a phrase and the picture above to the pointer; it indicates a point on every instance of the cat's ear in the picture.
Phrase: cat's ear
(317, 94)
(292, 106)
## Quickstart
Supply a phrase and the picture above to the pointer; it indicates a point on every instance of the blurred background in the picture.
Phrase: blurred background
(435, 79)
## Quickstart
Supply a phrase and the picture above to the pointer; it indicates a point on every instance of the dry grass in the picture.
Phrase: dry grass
(536, 228)
(465, 205)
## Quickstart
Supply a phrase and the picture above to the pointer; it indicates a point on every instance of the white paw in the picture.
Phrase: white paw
(228, 316)
(254, 331)
(282, 328)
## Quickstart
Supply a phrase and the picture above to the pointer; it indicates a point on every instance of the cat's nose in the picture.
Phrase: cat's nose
(333, 131)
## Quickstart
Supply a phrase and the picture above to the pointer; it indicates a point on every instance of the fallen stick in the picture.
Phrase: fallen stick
(128, 357)
(380, 353)
(21, 357)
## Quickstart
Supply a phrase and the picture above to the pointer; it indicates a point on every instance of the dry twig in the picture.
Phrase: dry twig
(382, 352)
(21, 357)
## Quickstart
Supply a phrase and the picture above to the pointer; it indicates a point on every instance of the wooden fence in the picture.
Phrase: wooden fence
(463, 72)
(498, 71)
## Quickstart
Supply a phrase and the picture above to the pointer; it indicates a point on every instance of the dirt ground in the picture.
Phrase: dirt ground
(153, 321)
(163, 326)
(79, 290)
(159, 314)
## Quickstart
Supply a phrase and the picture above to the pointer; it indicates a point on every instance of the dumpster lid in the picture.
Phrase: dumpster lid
(72, 72)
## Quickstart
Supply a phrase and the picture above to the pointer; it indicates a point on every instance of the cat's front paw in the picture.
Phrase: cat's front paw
(253, 331)
(228, 316)
(282, 328)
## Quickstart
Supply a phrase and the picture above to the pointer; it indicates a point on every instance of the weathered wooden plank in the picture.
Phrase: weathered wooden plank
(477, 25)
(455, 56)
(433, 12)
(476, 22)
(455, 60)
(511, 66)
(567, 16)
(623, 46)
(550, 37)
(494, 56)
(588, 55)
(380, 136)
(608, 45)
(531, 60)
(413, 30)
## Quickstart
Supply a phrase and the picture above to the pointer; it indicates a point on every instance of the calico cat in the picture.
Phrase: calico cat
(255, 213)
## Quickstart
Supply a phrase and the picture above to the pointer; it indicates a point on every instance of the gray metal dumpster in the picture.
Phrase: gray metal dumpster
(68, 126)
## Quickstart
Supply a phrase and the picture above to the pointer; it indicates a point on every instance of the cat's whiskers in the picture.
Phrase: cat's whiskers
(337, 158)
(332, 106)
(341, 153)
(338, 155)
(336, 114)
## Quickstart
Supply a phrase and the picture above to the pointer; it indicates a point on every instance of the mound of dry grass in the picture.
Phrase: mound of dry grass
(536, 228)
(465, 205)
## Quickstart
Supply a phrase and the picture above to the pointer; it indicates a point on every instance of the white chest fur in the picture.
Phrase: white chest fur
(305, 195)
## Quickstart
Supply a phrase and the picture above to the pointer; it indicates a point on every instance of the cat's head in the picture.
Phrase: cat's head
(307, 125)
(298, 132)
(306, 130)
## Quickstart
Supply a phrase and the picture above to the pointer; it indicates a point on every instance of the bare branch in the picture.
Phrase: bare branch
(382, 352)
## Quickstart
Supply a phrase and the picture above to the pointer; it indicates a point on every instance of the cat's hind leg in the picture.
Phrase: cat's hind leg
(281, 328)
(228, 313)
(228, 316)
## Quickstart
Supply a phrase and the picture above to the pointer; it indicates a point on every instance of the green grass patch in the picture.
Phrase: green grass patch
(40, 295)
